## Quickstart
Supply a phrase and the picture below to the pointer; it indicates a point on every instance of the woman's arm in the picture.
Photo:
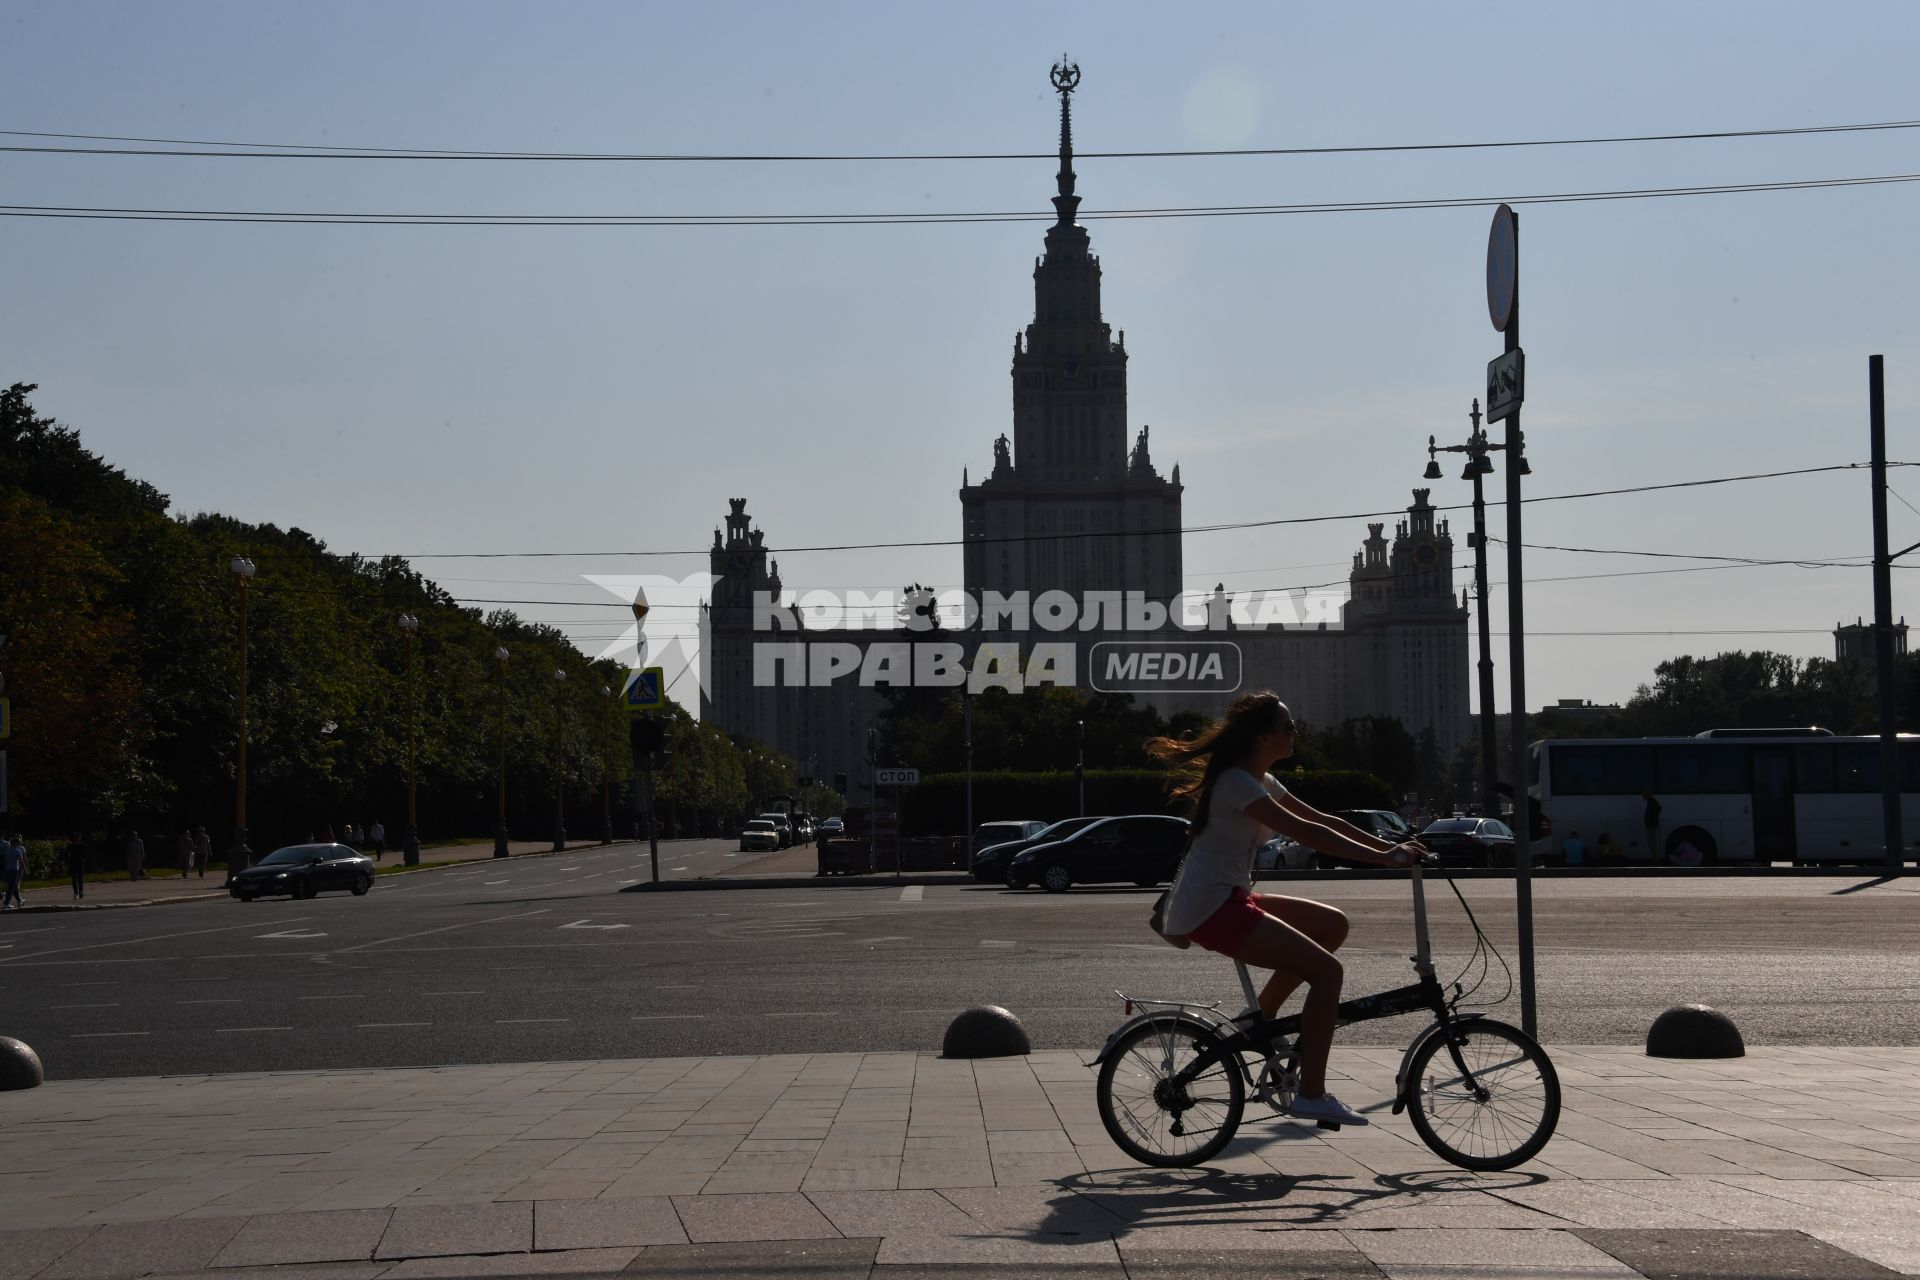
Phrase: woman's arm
(1324, 833)
(1307, 813)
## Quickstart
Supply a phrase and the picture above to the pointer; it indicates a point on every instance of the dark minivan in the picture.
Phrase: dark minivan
(1143, 848)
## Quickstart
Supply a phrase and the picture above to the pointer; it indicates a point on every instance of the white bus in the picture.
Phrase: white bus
(1733, 795)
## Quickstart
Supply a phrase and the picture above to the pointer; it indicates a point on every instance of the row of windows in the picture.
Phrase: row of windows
(1722, 768)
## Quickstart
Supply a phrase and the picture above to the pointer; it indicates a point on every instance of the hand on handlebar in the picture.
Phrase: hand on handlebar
(1408, 852)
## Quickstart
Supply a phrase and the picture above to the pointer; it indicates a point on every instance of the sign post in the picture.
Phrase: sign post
(1506, 386)
(896, 778)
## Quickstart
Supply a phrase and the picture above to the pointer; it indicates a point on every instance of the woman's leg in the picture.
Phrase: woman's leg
(1324, 924)
(1275, 944)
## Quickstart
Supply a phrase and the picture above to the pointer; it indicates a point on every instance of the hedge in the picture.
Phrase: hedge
(938, 805)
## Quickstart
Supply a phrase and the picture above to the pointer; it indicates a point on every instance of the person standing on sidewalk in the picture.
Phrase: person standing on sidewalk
(378, 834)
(13, 861)
(202, 851)
(77, 864)
(184, 851)
(136, 851)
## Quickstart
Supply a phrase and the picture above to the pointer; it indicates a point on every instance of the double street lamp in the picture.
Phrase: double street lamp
(559, 762)
(237, 857)
(410, 626)
(1479, 449)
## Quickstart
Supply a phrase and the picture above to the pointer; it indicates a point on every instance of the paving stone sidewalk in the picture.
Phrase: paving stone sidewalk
(1801, 1162)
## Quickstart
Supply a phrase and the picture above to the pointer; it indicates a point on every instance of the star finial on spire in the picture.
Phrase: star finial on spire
(1066, 78)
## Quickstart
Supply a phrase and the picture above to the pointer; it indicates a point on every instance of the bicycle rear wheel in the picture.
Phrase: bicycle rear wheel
(1153, 1119)
(1505, 1117)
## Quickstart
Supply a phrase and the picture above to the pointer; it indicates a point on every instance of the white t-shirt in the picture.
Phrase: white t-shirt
(1221, 858)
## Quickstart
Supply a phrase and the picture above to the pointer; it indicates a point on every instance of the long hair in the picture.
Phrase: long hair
(1197, 762)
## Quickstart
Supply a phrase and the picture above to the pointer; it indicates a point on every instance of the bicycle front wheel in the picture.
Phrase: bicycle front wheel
(1158, 1120)
(1504, 1117)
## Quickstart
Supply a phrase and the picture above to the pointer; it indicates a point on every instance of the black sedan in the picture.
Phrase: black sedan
(1143, 848)
(302, 870)
(990, 863)
(1471, 842)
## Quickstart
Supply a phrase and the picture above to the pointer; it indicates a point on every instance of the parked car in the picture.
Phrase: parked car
(1005, 831)
(1471, 842)
(1283, 853)
(832, 827)
(1143, 848)
(302, 870)
(759, 834)
(1384, 823)
(989, 864)
(781, 823)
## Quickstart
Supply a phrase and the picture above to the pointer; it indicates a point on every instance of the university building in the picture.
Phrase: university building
(1071, 511)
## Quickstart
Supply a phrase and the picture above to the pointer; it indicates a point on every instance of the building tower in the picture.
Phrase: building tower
(1068, 471)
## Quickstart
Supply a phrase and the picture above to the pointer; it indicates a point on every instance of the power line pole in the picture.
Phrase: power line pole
(1883, 622)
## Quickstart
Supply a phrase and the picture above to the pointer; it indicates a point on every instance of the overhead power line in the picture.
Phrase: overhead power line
(226, 149)
(300, 218)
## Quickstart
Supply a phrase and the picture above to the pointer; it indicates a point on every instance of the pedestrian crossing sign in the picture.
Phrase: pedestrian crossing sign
(646, 690)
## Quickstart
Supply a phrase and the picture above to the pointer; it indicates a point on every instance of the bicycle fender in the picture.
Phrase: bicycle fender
(1402, 1086)
(1160, 1016)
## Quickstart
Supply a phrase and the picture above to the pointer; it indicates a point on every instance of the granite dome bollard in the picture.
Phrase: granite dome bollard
(985, 1031)
(19, 1065)
(1694, 1031)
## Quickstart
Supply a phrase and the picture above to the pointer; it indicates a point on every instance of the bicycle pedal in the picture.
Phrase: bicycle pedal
(1329, 1124)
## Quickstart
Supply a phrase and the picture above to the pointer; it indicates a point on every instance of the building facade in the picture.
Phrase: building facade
(1071, 510)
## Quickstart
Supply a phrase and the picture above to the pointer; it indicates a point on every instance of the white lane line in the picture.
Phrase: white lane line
(129, 942)
(108, 982)
(588, 924)
(102, 1035)
(506, 881)
(805, 1013)
(253, 1028)
(995, 942)
(668, 1017)
(506, 1022)
(913, 893)
(85, 1006)
(676, 868)
(678, 986)
(465, 924)
(292, 933)
(891, 937)
(231, 1000)
(629, 882)
(365, 1025)
(352, 996)
(453, 993)
(569, 868)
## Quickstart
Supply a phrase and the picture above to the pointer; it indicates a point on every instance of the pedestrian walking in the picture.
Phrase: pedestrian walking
(136, 851)
(13, 861)
(350, 838)
(202, 851)
(184, 851)
(77, 864)
(378, 834)
(1650, 819)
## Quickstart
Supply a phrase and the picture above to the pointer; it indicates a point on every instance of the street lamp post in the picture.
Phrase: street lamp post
(500, 807)
(559, 762)
(606, 770)
(410, 850)
(1479, 464)
(237, 856)
(1080, 769)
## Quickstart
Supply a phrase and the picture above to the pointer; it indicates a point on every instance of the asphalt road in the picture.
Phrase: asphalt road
(545, 959)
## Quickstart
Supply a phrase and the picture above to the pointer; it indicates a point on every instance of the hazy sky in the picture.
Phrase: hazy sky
(513, 389)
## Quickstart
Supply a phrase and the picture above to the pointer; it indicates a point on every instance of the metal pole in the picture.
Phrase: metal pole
(500, 807)
(653, 828)
(1517, 694)
(411, 851)
(966, 734)
(1895, 847)
(1080, 770)
(1489, 737)
(237, 856)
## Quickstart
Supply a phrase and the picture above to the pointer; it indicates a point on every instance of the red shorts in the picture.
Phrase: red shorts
(1228, 927)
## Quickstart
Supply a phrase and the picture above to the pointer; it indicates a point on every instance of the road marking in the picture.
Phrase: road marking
(913, 893)
(629, 882)
(505, 1022)
(891, 937)
(84, 1006)
(103, 983)
(232, 1001)
(588, 924)
(678, 986)
(292, 933)
(101, 1035)
(365, 1025)
(253, 1028)
(668, 1017)
(453, 993)
(806, 1013)
(506, 881)
(465, 924)
(676, 868)
(128, 942)
(995, 942)
(569, 868)
(354, 996)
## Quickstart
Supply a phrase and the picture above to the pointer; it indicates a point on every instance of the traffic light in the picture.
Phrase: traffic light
(646, 735)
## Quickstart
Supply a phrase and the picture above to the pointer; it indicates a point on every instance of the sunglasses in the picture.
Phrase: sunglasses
(1285, 726)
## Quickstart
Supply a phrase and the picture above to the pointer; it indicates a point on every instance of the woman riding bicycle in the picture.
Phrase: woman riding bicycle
(1224, 770)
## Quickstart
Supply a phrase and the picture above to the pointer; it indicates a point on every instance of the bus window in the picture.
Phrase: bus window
(1694, 770)
(1813, 767)
(1910, 766)
(1600, 770)
(1856, 767)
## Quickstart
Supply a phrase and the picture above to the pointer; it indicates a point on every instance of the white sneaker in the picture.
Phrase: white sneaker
(1326, 1108)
